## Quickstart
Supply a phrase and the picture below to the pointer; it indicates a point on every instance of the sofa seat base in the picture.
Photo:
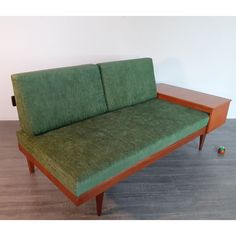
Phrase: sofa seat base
(85, 154)
(98, 191)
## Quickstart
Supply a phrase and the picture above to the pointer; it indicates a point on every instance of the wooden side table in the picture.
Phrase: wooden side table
(216, 107)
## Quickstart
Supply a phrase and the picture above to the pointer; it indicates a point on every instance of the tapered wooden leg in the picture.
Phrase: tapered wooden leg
(30, 165)
(99, 201)
(202, 140)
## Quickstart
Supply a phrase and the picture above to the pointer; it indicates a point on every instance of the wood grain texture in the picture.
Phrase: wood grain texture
(187, 184)
(218, 116)
(216, 107)
(194, 97)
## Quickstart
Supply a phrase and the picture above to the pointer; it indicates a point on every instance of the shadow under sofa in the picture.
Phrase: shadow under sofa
(88, 127)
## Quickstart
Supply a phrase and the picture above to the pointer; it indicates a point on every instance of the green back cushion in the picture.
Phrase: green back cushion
(128, 82)
(50, 99)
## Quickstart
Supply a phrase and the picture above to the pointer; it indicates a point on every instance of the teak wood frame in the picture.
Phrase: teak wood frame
(216, 107)
(216, 119)
(99, 189)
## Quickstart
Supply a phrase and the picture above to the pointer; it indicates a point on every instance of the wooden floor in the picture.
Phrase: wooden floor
(187, 184)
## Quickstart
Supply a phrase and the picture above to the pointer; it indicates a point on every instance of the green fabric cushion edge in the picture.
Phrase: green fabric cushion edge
(44, 116)
(127, 82)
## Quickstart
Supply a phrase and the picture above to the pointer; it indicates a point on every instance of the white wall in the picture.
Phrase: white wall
(192, 52)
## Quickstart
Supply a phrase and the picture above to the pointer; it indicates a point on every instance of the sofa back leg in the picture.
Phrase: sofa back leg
(202, 140)
(99, 201)
(30, 165)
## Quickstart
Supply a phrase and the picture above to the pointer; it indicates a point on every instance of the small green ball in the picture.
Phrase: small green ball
(222, 148)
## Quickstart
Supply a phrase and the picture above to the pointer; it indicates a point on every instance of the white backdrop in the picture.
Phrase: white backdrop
(193, 52)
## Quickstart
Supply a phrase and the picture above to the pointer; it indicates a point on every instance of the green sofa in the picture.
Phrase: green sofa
(84, 125)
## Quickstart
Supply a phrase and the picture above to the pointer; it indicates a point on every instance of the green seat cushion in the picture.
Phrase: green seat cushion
(50, 99)
(128, 82)
(86, 153)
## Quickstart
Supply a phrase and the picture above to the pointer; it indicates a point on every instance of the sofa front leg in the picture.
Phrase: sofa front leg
(30, 165)
(201, 141)
(99, 201)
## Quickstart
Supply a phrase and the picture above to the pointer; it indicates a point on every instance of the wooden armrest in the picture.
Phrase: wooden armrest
(216, 107)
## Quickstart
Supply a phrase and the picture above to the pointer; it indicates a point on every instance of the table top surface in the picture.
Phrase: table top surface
(192, 96)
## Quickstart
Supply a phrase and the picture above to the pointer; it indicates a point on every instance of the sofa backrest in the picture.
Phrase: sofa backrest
(128, 82)
(50, 99)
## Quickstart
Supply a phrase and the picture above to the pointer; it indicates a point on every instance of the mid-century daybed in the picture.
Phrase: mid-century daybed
(88, 127)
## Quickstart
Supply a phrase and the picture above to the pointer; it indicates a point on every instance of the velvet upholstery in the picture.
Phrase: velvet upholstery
(50, 99)
(128, 82)
(88, 152)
